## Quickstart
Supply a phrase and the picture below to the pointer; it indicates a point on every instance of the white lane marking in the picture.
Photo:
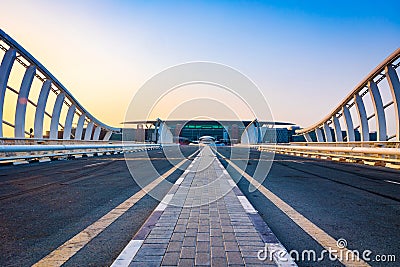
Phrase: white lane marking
(231, 182)
(283, 260)
(164, 203)
(179, 181)
(126, 256)
(246, 205)
(20, 162)
(392, 182)
(95, 164)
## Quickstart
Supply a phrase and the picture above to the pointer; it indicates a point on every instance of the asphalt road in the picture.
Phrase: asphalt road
(42, 205)
(356, 202)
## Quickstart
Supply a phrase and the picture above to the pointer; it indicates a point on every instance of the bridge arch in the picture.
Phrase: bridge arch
(386, 70)
(34, 70)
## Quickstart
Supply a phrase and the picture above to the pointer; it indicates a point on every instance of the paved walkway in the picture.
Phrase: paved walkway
(203, 220)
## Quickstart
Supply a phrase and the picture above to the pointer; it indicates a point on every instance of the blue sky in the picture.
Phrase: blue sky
(305, 56)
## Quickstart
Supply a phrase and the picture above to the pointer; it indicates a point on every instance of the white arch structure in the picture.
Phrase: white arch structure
(386, 71)
(165, 135)
(34, 69)
(251, 134)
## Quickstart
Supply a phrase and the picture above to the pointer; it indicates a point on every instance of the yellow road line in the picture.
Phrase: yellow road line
(319, 235)
(64, 252)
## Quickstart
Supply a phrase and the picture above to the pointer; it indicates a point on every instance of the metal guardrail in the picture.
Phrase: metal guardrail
(377, 152)
(372, 144)
(48, 150)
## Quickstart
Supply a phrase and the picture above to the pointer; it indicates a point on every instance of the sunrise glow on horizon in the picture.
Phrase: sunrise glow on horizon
(304, 57)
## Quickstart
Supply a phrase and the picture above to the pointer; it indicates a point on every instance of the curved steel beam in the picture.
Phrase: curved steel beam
(22, 101)
(318, 133)
(379, 69)
(362, 116)
(349, 124)
(96, 133)
(55, 117)
(5, 70)
(68, 122)
(307, 137)
(337, 128)
(379, 111)
(40, 109)
(79, 127)
(394, 85)
(251, 134)
(165, 134)
(328, 134)
(89, 131)
(107, 136)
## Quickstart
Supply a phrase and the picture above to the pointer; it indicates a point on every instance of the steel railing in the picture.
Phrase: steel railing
(378, 152)
(37, 149)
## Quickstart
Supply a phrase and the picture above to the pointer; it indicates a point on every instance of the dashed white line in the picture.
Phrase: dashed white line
(95, 164)
(20, 162)
(164, 203)
(392, 182)
(179, 181)
(126, 256)
(231, 182)
(246, 205)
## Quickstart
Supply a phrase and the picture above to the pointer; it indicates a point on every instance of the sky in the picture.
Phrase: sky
(305, 56)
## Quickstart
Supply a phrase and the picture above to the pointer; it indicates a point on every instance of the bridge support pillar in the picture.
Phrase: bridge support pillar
(55, 117)
(40, 109)
(379, 111)
(96, 133)
(22, 102)
(327, 131)
(107, 136)
(318, 133)
(252, 133)
(5, 70)
(337, 129)
(394, 85)
(68, 122)
(165, 135)
(79, 127)
(89, 130)
(362, 115)
(349, 124)
(307, 137)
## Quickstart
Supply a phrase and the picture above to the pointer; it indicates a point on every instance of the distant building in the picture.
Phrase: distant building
(228, 132)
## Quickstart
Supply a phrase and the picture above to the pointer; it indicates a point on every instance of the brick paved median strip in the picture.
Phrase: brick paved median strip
(204, 223)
